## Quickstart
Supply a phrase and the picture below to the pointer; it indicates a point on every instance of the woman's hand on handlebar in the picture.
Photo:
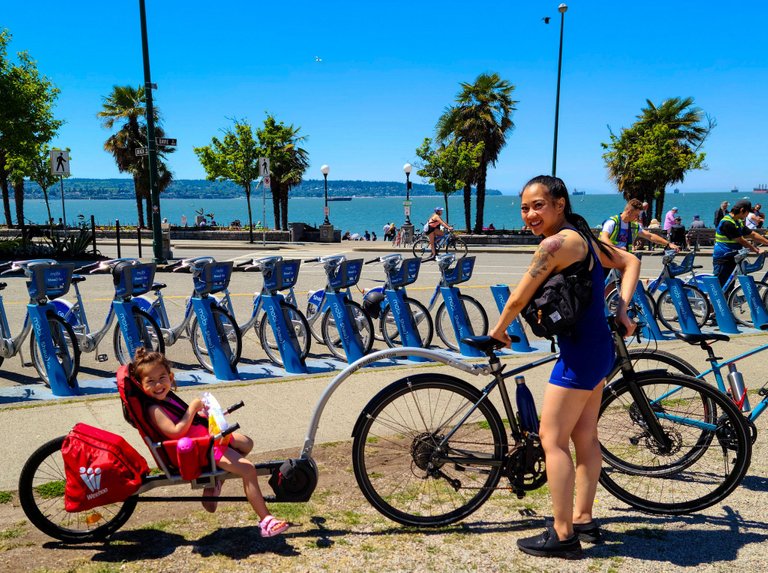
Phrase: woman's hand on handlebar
(626, 325)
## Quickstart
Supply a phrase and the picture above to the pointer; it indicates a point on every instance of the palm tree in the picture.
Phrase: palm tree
(482, 114)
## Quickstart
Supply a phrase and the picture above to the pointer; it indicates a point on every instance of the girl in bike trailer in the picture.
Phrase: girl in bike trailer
(572, 398)
(175, 420)
(432, 228)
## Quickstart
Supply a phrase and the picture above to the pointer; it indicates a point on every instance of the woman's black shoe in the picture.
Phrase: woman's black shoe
(547, 544)
(587, 532)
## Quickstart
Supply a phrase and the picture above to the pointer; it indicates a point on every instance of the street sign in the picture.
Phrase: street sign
(407, 203)
(165, 141)
(141, 151)
(264, 167)
(60, 162)
(267, 183)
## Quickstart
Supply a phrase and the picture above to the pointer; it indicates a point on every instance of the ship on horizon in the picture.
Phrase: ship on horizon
(577, 192)
(760, 189)
(735, 189)
(339, 198)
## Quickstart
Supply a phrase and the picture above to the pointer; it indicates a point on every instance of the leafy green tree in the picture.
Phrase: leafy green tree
(126, 106)
(447, 167)
(658, 150)
(482, 114)
(234, 158)
(288, 163)
(26, 121)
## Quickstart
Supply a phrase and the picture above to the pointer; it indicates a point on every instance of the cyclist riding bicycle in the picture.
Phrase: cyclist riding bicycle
(730, 236)
(432, 229)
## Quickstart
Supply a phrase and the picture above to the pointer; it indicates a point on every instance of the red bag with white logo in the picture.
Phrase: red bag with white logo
(101, 468)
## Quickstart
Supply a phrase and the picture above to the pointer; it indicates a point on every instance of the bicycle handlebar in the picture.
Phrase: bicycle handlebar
(376, 260)
(234, 407)
(315, 260)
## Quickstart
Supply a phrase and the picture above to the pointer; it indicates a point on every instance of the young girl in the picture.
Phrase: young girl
(153, 372)
(572, 398)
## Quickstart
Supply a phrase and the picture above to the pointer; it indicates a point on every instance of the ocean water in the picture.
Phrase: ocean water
(367, 213)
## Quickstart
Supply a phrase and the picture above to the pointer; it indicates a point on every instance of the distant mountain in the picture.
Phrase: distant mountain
(202, 189)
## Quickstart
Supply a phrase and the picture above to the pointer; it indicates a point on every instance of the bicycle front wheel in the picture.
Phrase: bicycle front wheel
(403, 464)
(737, 302)
(41, 495)
(295, 321)
(149, 334)
(361, 325)
(421, 319)
(477, 320)
(227, 333)
(667, 312)
(706, 457)
(65, 348)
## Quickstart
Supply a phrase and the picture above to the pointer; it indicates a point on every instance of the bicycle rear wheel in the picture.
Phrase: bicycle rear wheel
(41, 495)
(395, 452)
(457, 246)
(361, 324)
(421, 319)
(667, 313)
(149, 334)
(709, 445)
(477, 320)
(737, 302)
(421, 248)
(65, 347)
(295, 321)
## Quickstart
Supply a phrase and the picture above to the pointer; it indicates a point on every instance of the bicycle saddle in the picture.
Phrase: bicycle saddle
(703, 337)
(486, 344)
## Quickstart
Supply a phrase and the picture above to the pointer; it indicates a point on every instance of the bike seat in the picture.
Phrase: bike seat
(703, 337)
(77, 279)
(486, 344)
(158, 286)
(3, 285)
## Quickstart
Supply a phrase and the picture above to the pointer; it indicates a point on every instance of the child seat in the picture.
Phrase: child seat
(164, 451)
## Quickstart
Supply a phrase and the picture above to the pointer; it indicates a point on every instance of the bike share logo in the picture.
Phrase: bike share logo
(43, 347)
(203, 319)
(122, 319)
(92, 480)
(273, 316)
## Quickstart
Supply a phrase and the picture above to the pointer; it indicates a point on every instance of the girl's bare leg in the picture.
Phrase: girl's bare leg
(234, 463)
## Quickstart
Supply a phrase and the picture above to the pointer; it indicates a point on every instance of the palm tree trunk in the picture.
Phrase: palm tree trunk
(467, 206)
(480, 206)
(148, 200)
(139, 204)
(18, 196)
(275, 204)
(284, 208)
(660, 205)
(447, 216)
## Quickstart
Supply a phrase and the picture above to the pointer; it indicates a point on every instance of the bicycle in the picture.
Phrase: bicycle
(131, 279)
(429, 449)
(448, 242)
(46, 281)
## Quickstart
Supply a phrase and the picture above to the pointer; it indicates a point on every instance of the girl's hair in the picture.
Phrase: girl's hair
(557, 190)
(145, 359)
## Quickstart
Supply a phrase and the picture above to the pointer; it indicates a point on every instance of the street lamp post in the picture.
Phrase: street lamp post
(563, 8)
(325, 170)
(157, 239)
(407, 169)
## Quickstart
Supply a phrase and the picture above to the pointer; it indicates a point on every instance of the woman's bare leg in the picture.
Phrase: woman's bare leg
(588, 457)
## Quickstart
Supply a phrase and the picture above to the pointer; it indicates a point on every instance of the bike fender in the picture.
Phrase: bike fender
(145, 304)
(62, 308)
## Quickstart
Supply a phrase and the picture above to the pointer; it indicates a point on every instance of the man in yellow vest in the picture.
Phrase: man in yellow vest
(623, 229)
(730, 236)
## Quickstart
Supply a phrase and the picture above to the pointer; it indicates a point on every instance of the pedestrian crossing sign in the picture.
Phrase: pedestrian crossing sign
(60, 162)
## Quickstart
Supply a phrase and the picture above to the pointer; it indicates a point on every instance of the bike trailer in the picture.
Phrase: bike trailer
(100, 468)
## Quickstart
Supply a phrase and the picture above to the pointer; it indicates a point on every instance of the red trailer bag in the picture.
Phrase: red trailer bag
(101, 468)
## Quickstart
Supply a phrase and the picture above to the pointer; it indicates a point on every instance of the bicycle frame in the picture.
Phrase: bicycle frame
(11, 345)
(76, 316)
(157, 309)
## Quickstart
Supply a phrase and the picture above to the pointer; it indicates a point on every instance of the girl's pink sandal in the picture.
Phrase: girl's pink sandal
(270, 526)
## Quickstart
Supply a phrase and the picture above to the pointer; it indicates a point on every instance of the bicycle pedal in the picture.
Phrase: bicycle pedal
(102, 358)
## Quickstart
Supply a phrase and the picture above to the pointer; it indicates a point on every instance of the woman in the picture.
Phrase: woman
(572, 398)
(432, 229)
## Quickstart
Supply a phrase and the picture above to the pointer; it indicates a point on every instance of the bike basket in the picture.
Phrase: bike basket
(133, 279)
(460, 272)
(406, 273)
(284, 275)
(212, 278)
(685, 266)
(750, 268)
(50, 281)
(347, 274)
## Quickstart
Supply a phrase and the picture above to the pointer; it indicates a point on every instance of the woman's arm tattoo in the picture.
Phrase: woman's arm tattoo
(547, 249)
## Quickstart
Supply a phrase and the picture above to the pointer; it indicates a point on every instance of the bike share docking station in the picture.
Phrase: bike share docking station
(454, 274)
(399, 276)
(340, 278)
(48, 280)
(500, 294)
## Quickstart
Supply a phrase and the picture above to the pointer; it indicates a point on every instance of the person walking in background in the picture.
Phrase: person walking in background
(623, 229)
(721, 212)
(730, 236)
(572, 397)
(669, 219)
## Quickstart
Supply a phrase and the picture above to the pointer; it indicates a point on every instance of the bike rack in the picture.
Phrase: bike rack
(49, 281)
(688, 322)
(725, 321)
(756, 307)
(460, 272)
(404, 274)
(515, 329)
(213, 278)
(650, 326)
(132, 278)
(347, 274)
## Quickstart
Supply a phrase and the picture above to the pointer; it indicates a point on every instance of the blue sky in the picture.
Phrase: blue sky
(389, 69)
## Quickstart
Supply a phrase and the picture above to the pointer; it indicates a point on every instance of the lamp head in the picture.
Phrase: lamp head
(325, 170)
(407, 168)
(563, 8)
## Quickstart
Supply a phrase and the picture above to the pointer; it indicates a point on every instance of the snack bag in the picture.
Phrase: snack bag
(217, 422)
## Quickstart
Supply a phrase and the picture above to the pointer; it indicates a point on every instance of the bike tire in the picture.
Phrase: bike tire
(41, 495)
(300, 328)
(361, 322)
(477, 320)
(65, 345)
(644, 359)
(149, 332)
(738, 305)
(457, 246)
(421, 317)
(395, 439)
(705, 466)
(421, 249)
(667, 313)
(227, 329)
